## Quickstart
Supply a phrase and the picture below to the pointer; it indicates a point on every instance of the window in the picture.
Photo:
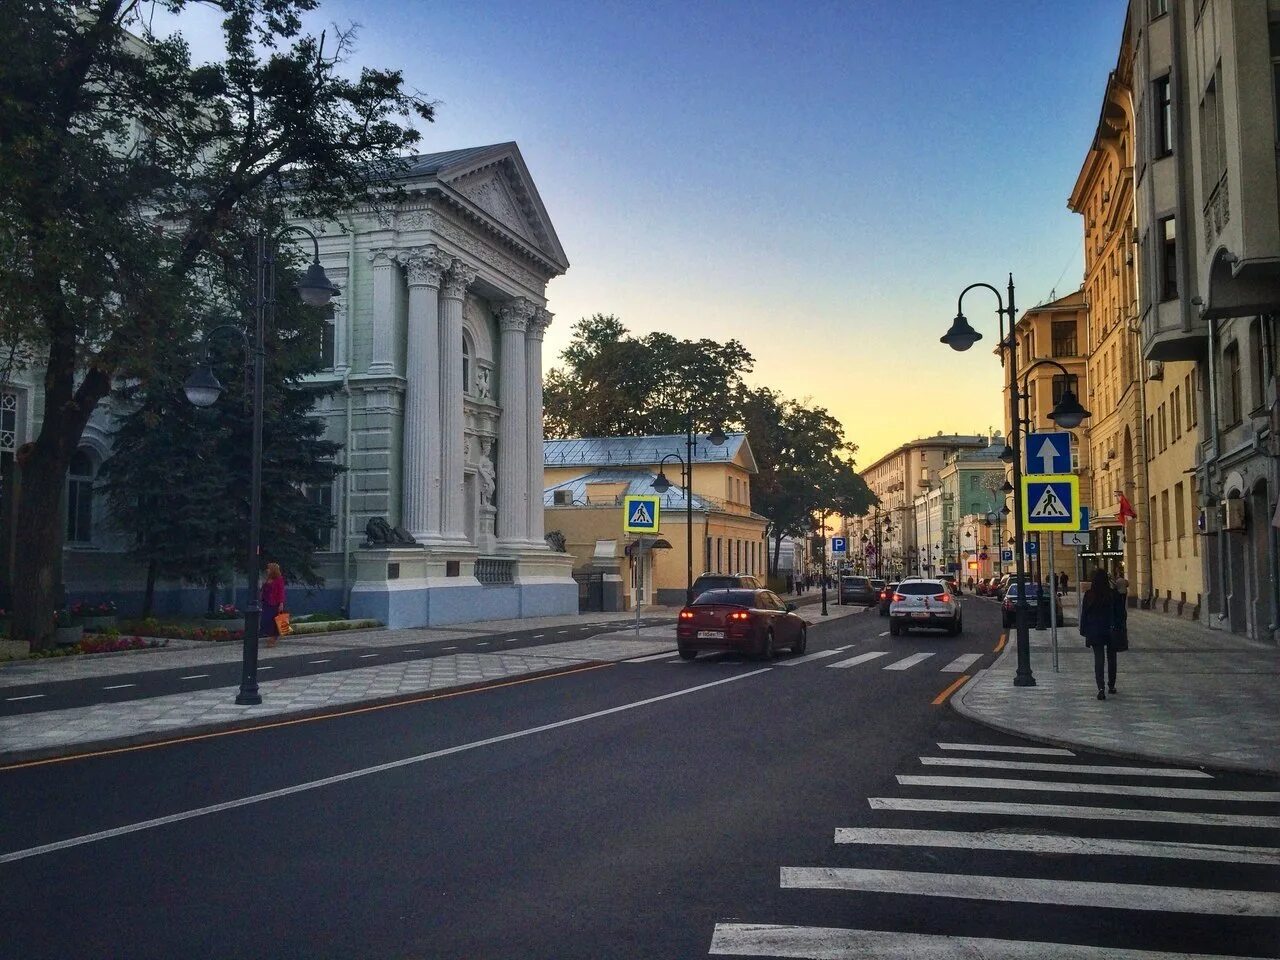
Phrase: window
(707, 565)
(1233, 407)
(321, 495)
(1061, 383)
(328, 338)
(719, 554)
(1179, 514)
(1064, 338)
(1154, 526)
(466, 366)
(1275, 73)
(1193, 401)
(80, 499)
(1163, 422)
(1213, 134)
(1194, 496)
(1164, 520)
(1175, 408)
(1151, 439)
(1159, 8)
(1257, 371)
(1168, 279)
(1162, 101)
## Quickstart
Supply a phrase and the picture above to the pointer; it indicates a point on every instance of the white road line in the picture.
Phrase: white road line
(1110, 789)
(1071, 893)
(536, 636)
(366, 656)
(119, 686)
(860, 658)
(363, 772)
(194, 676)
(842, 649)
(961, 664)
(885, 634)
(29, 696)
(820, 655)
(414, 650)
(908, 662)
(317, 661)
(1093, 769)
(562, 631)
(834, 943)
(1037, 843)
(260, 669)
(511, 640)
(650, 658)
(1006, 809)
(483, 643)
(448, 648)
(1002, 748)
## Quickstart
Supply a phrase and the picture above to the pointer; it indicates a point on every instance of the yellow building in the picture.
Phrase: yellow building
(586, 480)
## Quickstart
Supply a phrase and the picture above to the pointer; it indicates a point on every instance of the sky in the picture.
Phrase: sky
(819, 180)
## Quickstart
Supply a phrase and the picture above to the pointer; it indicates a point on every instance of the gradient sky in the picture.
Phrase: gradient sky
(819, 180)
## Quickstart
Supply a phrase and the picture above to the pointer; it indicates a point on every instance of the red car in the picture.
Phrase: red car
(755, 622)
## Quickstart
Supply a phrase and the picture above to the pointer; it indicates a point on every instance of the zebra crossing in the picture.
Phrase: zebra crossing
(960, 664)
(1150, 870)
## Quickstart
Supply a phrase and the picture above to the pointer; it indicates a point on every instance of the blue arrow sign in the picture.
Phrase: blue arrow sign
(839, 545)
(1049, 452)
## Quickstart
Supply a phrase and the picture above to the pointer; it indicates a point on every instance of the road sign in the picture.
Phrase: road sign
(1084, 518)
(1006, 556)
(640, 514)
(839, 545)
(1076, 538)
(1105, 542)
(1049, 452)
(1032, 548)
(1051, 502)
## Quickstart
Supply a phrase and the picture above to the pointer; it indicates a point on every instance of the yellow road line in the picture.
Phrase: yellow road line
(941, 698)
(1000, 645)
(288, 723)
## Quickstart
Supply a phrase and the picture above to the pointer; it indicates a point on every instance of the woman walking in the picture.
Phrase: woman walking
(1102, 626)
(272, 604)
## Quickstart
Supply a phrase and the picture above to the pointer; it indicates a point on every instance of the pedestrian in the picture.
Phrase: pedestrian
(272, 598)
(971, 584)
(1102, 628)
(1063, 581)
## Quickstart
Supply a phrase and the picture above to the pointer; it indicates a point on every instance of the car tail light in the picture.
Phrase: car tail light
(898, 598)
(686, 614)
(944, 597)
(739, 615)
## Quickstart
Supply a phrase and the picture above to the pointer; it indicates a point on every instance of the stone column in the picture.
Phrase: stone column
(533, 417)
(385, 280)
(513, 445)
(421, 468)
(456, 281)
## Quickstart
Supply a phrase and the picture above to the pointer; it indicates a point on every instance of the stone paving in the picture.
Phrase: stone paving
(1185, 695)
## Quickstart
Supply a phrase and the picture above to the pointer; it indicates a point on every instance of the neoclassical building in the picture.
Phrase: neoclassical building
(435, 348)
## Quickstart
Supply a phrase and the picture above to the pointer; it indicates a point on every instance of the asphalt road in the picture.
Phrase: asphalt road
(651, 809)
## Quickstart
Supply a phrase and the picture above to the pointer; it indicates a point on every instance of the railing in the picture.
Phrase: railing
(491, 571)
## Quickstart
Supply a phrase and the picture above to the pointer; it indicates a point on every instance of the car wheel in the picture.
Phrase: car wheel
(802, 641)
(687, 653)
(766, 646)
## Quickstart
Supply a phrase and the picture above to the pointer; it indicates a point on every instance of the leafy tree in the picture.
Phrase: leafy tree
(131, 176)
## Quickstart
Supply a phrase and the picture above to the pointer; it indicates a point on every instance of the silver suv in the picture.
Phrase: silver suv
(924, 603)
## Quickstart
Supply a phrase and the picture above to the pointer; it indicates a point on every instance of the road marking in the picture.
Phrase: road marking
(536, 636)
(29, 696)
(842, 649)
(260, 669)
(961, 664)
(650, 658)
(194, 676)
(885, 634)
(366, 656)
(317, 661)
(1003, 748)
(820, 655)
(1070, 893)
(908, 662)
(511, 640)
(414, 650)
(483, 643)
(562, 631)
(448, 648)
(834, 943)
(119, 686)
(1093, 814)
(860, 658)
(1038, 844)
(1110, 789)
(1000, 646)
(952, 687)
(364, 771)
(1089, 768)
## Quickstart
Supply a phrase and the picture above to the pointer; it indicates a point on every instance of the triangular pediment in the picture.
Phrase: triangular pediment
(490, 192)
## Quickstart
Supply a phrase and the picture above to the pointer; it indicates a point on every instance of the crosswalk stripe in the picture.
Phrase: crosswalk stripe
(1004, 748)
(908, 662)
(834, 943)
(1093, 769)
(860, 658)
(1110, 789)
(1038, 843)
(651, 657)
(1072, 893)
(961, 664)
(796, 661)
(1004, 808)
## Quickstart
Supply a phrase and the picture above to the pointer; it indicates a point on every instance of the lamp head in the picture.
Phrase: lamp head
(716, 436)
(661, 483)
(314, 288)
(1006, 454)
(961, 336)
(1068, 414)
(1008, 487)
(202, 387)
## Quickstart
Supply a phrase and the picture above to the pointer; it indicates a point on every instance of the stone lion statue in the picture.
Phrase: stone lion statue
(555, 540)
(379, 533)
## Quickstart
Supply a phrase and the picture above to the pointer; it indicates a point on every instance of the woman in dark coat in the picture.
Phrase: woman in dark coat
(1102, 626)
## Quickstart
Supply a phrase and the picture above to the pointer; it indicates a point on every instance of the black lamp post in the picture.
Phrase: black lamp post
(203, 389)
(662, 485)
(822, 532)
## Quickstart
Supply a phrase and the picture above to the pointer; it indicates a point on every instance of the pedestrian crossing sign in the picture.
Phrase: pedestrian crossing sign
(1051, 502)
(640, 514)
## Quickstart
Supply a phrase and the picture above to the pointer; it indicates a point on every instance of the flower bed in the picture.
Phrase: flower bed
(151, 627)
(104, 644)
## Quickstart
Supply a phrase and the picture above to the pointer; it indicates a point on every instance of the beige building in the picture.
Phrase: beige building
(587, 479)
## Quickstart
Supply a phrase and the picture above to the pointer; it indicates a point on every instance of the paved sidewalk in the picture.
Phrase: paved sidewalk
(1186, 695)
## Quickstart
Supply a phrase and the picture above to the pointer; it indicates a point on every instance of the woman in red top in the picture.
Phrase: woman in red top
(272, 603)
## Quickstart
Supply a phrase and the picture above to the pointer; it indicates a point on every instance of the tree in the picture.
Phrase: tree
(130, 176)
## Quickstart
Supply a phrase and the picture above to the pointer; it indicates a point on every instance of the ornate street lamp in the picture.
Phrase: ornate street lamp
(661, 484)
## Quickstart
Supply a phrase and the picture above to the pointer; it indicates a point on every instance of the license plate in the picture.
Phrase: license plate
(921, 616)
(710, 634)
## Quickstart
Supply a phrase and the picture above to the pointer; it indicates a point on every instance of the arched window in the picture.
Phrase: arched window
(80, 499)
(466, 364)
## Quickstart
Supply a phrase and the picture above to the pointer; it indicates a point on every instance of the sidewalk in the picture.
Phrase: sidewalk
(1187, 695)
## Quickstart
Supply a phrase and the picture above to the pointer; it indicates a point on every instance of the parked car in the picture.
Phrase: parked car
(877, 585)
(857, 590)
(755, 622)
(985, 586)
(724, 581)
(886, 597)
(1033, 593)
(924, 603)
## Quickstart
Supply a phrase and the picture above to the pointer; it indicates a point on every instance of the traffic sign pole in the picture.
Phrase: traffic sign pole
(1053, 607)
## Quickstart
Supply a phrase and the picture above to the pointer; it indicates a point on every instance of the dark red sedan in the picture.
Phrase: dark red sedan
(755, 622)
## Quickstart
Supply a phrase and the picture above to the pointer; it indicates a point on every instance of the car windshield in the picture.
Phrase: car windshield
(714, 583)
(855, 581)
(1031, 589)
(921, 588)
(734, 598)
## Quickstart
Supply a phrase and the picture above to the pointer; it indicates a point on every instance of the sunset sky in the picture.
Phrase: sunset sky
(817, 180)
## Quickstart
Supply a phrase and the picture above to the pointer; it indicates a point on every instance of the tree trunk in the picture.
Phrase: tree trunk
(777, 552)
(149, 597)
(212, 596)
(38, 533)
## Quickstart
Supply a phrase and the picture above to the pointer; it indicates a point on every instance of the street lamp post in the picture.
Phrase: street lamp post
(662, 485)
(203, 389)
(822, 532)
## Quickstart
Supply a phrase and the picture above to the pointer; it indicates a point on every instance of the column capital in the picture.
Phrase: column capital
(459, 276)
(384, 256)
(515, 314)
(425, 266)
(539, 322)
